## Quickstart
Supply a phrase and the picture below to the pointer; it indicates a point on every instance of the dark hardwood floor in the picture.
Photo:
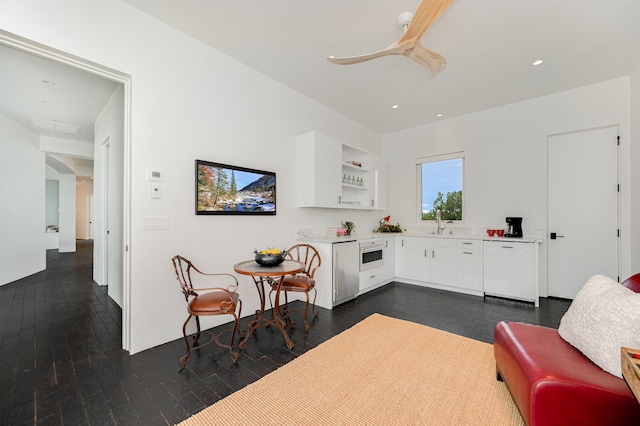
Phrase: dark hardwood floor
(61, 362)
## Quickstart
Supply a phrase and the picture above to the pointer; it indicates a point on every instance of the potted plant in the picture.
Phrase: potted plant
(349, 226)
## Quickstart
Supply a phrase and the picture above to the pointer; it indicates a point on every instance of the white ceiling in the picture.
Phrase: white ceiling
(34, 87)
(489, 46)
(71, 96)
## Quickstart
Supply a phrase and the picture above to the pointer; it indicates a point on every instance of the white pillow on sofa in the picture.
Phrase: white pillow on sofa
(604, 316)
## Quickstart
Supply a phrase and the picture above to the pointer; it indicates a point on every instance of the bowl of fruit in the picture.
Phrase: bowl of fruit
(270, 257)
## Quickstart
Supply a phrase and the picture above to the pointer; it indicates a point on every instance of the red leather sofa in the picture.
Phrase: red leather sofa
(553, 383)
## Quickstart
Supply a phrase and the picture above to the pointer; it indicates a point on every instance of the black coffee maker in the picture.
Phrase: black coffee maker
(515, 227)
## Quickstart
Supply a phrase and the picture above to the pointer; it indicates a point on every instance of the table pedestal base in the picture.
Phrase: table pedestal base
(276, 316)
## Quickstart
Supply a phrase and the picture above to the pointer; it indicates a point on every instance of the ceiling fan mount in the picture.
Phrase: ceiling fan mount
(414, 26)
(404, 19)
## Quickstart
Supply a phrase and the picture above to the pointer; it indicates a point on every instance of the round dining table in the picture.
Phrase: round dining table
(271, 276)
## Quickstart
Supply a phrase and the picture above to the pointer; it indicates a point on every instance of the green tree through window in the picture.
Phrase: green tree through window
(441, 180)
(450, 208)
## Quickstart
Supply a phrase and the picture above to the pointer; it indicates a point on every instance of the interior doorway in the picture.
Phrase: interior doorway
(122, 187)
(583, 209)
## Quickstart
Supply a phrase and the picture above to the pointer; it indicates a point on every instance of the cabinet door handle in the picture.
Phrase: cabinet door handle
(372, 276)
(339, 199)
(466, 252)
(433, 254)
(509, 247)
(466, 243)
(425, 252)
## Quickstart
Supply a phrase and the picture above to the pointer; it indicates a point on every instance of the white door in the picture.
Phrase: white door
(89, 217)
(105, 214)
(582, 209)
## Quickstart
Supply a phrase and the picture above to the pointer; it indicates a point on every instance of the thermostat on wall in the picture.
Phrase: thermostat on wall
(154, 174)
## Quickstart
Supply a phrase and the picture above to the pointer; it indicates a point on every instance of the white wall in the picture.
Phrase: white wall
(22, 197)
(190, 102)
(506, 157)
(108, 196)
(635, 170)
(67, 234)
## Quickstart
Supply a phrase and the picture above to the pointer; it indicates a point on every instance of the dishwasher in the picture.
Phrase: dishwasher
(346, 271)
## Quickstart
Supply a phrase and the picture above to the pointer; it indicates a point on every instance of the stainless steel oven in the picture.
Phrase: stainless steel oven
(372, 254)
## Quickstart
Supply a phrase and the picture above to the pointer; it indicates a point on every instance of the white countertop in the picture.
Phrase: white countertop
(332, 239)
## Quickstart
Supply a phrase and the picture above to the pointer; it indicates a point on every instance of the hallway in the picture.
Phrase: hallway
(61, 362)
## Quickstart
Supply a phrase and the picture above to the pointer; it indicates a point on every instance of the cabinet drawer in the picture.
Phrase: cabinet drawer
(371, 278)
(469, 244)
(441, 242)
(469, 268)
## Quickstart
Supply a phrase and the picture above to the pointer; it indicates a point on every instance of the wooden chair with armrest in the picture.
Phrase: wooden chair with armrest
(207, 301)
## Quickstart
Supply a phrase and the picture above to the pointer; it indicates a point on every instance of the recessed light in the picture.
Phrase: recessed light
(394, 106)
(50, 83)
(537, 62)
(439, 114)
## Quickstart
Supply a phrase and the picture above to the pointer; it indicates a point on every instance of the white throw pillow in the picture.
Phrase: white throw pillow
(604, 316)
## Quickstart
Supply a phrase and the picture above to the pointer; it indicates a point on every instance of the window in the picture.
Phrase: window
(440, 186)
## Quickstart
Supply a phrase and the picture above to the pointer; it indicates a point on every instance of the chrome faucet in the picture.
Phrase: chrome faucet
(439, 222)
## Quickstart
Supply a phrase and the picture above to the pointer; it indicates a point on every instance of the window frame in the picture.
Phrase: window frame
(434, 159)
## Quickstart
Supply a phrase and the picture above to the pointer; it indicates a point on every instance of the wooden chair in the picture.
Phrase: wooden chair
(302, 282)
(206, 301)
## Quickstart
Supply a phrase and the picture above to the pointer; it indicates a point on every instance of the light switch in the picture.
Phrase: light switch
(155, 222)
(155, 191)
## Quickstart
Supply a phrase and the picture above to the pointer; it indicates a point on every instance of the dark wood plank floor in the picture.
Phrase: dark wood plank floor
(61, 362)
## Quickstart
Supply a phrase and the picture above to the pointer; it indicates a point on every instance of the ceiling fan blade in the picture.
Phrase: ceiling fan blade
(428, 59)
(394, 49)
(409, 44)
(427, 12)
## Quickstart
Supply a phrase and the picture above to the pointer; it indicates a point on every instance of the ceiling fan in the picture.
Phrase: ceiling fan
(414, 26)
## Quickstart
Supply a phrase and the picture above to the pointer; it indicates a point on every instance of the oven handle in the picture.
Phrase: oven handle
(368, 249)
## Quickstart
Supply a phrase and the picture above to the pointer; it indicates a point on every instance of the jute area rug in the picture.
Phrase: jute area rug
(382, 371)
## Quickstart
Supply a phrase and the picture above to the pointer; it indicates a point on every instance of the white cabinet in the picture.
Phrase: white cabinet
(414, 259)
(442, 262)
(389, 268)
(319, 171)
(510, 270)
(374, 278)
(469, 264)
(336, 175)
(379, 182)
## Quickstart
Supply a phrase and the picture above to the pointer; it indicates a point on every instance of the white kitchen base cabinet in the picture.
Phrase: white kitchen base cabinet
(511, 270)
(413, 256)
(469, 265)
(374, 278)
(441, 262)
